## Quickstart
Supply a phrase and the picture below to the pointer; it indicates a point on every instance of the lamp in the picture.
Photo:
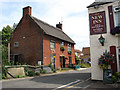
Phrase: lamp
(101, 40)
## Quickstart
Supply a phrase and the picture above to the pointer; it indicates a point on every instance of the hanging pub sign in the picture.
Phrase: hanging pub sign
(97, 23)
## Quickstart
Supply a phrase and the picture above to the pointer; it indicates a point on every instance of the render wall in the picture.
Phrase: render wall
(95, 47)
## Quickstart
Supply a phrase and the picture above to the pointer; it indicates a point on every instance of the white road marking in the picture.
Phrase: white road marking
(67, 84)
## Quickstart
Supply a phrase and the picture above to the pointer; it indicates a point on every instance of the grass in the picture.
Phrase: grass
(84, 65)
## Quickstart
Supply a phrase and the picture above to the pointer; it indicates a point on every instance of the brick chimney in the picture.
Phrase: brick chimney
(26, 10)
(59, 25)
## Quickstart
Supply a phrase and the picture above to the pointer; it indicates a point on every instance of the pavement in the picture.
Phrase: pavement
(73, 80)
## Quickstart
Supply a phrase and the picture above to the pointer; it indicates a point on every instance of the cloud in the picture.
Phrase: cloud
(73, 13)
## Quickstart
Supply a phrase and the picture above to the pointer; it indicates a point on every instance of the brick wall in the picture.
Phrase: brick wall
(29, 37)
(47, 51)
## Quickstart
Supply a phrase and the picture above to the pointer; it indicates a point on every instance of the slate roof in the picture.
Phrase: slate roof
(97, 3)
(53, 31)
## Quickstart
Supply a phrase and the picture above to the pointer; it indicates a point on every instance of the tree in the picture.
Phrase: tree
(77, 59)
(6, 33)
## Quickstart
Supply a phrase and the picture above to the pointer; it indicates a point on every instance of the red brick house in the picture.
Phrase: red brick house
(34, 40)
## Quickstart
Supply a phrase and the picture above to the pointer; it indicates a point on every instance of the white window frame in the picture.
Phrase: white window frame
(117, 16)
(52, 42)
(16, 44)
(62, 44)
(69, 47)
(118, 61)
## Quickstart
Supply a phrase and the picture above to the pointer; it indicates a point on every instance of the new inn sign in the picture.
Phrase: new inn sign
(97, 23)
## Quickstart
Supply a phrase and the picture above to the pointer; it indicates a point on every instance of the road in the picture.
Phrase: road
(69, 79)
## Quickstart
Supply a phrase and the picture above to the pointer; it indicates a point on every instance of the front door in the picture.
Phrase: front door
(118, 59)
(62, 61)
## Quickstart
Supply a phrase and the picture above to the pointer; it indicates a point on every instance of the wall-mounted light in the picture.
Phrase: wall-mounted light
(101, 40)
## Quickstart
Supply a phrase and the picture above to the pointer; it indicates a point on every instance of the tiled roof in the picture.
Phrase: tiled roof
(97, 3)
(53, 31)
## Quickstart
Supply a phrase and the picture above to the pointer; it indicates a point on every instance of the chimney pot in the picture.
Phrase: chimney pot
(59, 25)
(27, 11)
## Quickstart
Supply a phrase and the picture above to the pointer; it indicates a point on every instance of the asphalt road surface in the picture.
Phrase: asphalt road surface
(69, 79)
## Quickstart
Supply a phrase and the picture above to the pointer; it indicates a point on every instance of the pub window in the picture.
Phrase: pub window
(52, 44)
(69, 47)
(62, 44)
(117, 16)
(16, 44)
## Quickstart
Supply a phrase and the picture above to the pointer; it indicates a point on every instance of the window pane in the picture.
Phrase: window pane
(70, 60)
(69, 47)
(52, 45)
(62, 44)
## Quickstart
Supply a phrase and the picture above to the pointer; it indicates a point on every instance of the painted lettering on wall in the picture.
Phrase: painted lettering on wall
(97, 23)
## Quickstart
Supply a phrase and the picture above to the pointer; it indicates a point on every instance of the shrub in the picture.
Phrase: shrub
(30, 73)
(118, 74)
(62, 48)
(114, 78)
(37, 73)
(69, 52)
(42, 71)
(19, 76)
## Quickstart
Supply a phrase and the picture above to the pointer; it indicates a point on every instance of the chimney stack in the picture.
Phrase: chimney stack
(59, 25)
(27, 11)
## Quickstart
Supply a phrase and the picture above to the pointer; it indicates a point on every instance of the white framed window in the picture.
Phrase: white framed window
(62, 44)
(52, 44)
(118, 59)
(16, 44)
(117, 16)
(69, 47)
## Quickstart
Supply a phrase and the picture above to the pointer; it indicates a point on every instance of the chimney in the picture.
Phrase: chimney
(59, 26)
(26, 10)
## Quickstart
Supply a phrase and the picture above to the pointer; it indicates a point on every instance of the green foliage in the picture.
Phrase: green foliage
(62, 48)
(6, 34)
(30, 73)
(105, 60)
(19, 76)
(114, 78)
(37, 73)
(77, 60)
(84, 65)
(4, 72)
(70, 52)
(118, 74)
(3, 76)
(43, 71)
(4, 55)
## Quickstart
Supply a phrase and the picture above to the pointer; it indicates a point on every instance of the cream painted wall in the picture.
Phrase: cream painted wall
(96, 49)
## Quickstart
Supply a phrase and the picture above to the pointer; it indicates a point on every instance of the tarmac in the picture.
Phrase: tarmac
(93, 85)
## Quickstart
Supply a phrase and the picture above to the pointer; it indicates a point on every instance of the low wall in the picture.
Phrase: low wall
(16, 71)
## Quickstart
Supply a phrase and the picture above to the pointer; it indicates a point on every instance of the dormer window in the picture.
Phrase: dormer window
(117, 16)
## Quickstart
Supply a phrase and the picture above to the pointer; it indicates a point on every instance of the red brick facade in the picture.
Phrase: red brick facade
(34, 45)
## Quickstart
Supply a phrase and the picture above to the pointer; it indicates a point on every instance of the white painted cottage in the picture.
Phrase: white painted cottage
(104, 19)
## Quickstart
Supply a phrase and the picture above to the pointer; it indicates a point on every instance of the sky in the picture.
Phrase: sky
(72, 13)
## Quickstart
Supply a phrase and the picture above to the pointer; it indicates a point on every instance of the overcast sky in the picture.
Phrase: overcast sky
(72, 13)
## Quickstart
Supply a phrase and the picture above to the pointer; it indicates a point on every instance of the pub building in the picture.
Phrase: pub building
(104, 23)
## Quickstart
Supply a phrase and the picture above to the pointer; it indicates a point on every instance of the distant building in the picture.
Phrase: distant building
(35, 41)
(104, 20)
(77, 52)
(85, 54)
